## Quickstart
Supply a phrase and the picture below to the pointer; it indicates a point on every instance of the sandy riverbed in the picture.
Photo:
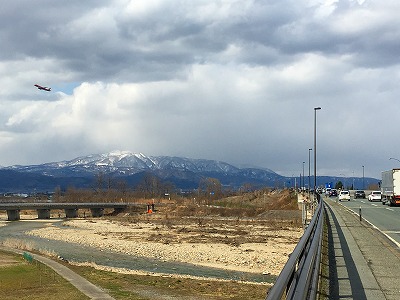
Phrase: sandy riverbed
(213, 248)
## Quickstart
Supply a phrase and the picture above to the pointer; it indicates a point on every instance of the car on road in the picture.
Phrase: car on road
(327, 192)
(333, 193)
(375, 196)
(344, 195)
(359, 194)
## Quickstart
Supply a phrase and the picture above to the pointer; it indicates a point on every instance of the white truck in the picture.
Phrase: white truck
(390, 187)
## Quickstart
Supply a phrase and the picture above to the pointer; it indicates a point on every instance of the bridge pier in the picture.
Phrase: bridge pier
(97, 212)
(71, 212)
(71, 209)
(43, 213)
(13, 214)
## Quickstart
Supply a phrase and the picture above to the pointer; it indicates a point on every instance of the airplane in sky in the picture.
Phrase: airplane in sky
(44, 88)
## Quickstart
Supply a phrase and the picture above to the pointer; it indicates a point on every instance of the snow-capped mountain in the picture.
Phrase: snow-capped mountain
(126, 163)
(183, 172)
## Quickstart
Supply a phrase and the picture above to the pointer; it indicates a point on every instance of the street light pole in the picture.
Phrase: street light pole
(309, 167)
(315, 147)
(363, 179)
(303, 176)
(344, 181)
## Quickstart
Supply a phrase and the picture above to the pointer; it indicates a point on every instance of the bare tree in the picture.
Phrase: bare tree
(150, 186)
(210, 188)
(57, 194)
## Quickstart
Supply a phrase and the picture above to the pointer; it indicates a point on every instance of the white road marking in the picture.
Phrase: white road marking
(389, 209)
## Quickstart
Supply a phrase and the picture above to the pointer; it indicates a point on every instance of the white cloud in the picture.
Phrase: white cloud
(228, 80)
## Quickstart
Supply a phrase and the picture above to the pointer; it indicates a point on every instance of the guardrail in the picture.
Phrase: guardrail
(300, 275)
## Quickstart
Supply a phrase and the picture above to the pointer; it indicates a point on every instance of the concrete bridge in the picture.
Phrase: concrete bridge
(71, 209)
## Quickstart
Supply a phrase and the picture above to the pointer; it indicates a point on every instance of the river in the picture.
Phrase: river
(78, 253)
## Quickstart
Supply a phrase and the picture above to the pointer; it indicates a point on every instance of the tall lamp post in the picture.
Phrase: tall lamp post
(309, 167)
(315, 147)
(344, 181)
(303, 176)
(363, 178)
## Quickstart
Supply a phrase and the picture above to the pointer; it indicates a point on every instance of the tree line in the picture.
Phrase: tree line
(108, 189)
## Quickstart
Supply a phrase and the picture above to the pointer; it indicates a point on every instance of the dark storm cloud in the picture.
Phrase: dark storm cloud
(227, 80)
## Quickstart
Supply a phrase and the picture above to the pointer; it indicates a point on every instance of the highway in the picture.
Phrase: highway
(383, 217)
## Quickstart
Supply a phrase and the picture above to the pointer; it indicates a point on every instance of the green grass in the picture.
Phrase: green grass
(145, 287)
(20, 279)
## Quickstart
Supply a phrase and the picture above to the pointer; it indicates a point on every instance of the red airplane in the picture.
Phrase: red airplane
(44, 88)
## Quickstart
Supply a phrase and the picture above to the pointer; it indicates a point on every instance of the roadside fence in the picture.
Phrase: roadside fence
(300, 275)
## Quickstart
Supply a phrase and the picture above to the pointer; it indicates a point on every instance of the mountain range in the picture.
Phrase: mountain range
(184, 173)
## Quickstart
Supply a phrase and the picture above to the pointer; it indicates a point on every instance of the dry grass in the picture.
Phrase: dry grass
(268, 206)
(230, 220)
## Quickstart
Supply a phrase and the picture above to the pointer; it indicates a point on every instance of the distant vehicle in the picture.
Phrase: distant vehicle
(391, 187)
(44, 88)
(333, 193)
(359, 194)
(327, 191)
(344, 195)
(375, 196)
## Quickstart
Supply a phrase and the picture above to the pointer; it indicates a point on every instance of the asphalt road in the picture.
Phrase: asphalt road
(383, 217)
(363, 264)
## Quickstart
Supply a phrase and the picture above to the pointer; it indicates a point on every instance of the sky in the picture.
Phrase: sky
(235, 81)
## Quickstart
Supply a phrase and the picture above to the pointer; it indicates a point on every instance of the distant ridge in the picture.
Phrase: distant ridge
(183, 173)
(128, 163)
